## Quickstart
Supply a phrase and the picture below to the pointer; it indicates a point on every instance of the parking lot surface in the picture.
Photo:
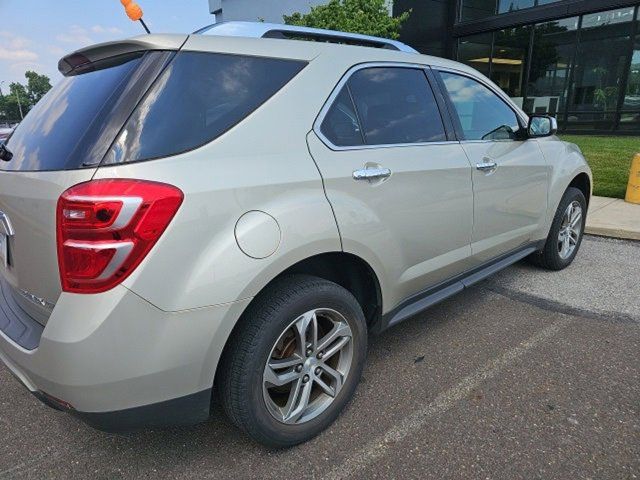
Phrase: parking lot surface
(530, 374)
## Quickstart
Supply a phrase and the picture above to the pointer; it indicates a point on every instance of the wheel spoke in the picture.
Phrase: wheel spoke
(336, 376)
(573, 238)
(298, 401)
(326, 388)
(336, 347)
(279, 379)
(302, 326)
(285, 362)
(576, 218)
(339, 330)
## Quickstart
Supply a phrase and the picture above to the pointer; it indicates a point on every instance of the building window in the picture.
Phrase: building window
(584, 70)
(475, 50)
(477, 9)
(509, 62)
(601, 61)
(505, 6)
(630, 116)
(551, 62)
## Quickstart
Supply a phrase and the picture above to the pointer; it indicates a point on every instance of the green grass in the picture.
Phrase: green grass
(609, 159)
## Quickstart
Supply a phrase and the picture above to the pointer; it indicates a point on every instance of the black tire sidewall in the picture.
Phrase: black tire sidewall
(324, 295)
(551, 253)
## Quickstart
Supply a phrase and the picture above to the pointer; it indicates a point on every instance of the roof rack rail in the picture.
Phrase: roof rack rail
(274, 30)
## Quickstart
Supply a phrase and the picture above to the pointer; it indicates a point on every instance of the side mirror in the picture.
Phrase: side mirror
(542, 126)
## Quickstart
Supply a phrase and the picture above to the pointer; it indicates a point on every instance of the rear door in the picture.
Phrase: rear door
(400, 189)
(510, 174)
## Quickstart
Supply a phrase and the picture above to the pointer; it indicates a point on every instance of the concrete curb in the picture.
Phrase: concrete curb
(613, 217)
(612, 233)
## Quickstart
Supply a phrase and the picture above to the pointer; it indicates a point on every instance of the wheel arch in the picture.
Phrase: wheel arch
(583, 183)
(347, 270)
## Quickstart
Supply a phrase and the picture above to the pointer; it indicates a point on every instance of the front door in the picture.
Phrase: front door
(510, 174)
(400, 191)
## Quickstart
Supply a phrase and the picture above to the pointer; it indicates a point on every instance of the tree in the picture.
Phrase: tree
(367, 17)
(23, 97)
(37, 86)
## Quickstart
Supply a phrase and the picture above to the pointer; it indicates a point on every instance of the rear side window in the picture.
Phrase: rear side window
(341, 125)
(198, 98)
(395, 106)
(482, 114)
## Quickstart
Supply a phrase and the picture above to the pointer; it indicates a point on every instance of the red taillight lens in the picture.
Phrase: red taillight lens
(107, 227)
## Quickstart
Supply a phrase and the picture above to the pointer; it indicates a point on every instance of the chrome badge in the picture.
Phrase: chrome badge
(37, 300)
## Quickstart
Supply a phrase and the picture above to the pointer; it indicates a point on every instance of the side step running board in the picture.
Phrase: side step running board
(426, 299)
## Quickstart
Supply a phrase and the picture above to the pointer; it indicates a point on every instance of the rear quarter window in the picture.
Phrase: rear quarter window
(199, 97)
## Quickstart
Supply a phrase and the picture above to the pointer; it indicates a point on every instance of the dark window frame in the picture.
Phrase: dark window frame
(431, 82)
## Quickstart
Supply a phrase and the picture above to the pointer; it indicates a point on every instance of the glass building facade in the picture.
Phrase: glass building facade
(576, 60)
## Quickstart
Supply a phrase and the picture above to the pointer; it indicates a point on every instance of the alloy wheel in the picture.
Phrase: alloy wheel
(308, 366)
(570, 230)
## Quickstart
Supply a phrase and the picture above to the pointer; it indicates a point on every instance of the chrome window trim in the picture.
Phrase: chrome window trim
(338, 88)
(503, 96)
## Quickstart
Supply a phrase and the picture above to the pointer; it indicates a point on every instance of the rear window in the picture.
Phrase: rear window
(196, 99)
(59, 132)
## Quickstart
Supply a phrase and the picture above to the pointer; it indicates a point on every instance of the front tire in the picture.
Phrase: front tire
(294, 360)
(565, 235)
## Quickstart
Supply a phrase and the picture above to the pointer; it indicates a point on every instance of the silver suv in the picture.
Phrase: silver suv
(188, 217)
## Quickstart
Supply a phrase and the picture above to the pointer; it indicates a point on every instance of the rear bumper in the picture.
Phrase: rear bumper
(120, 363)
(187, 410)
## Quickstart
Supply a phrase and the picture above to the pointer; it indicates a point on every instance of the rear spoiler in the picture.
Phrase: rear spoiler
(83, 58)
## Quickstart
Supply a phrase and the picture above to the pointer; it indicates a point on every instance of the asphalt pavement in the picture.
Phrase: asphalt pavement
(531, 374)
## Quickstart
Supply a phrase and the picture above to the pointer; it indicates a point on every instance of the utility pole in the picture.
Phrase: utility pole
(19, 104)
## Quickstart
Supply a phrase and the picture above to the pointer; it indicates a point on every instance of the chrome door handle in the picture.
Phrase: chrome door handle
(486, 166)
(371, 174)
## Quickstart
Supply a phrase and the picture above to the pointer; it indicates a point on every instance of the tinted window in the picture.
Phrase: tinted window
(341, 125)
(198, 98)
(61, 131)
(395, 106)
(482, 114)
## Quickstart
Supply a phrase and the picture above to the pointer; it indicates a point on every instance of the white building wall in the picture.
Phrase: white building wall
(270, 11)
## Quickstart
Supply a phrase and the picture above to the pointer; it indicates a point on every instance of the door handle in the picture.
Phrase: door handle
(486, 167)
(371, 174)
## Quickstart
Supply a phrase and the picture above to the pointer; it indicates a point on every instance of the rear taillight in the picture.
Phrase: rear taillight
(107, 227)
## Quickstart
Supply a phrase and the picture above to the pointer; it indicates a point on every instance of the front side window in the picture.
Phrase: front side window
(481, 113)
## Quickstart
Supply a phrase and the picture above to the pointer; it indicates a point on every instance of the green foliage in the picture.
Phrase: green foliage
(23, 96)
(609, 159)
(367, 17)
(37, 86)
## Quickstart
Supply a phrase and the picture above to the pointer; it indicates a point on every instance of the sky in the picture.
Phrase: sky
(35, 34)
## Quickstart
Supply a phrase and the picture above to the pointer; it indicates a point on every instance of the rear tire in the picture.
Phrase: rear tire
(565, 235)
(266, 349)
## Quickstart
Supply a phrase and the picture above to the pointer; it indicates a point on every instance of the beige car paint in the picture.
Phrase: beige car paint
(510, 202)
